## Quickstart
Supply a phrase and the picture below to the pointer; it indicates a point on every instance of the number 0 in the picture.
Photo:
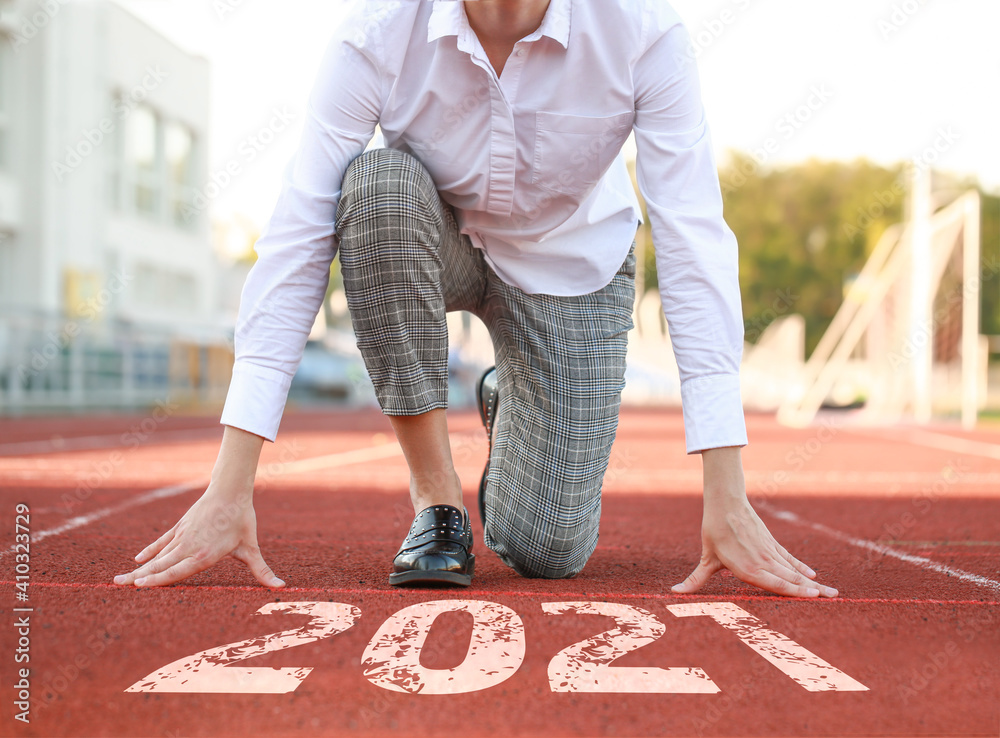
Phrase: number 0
(496, 649)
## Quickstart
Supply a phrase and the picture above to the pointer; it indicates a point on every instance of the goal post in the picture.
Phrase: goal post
(906, 337)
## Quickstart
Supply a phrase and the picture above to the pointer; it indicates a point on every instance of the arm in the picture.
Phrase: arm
(280, 300)
(285, 288)
(697, 263)
(696, 252)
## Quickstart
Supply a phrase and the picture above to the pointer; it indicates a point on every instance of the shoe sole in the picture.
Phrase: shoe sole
(434, 577)
(482, 494)
(486, 424)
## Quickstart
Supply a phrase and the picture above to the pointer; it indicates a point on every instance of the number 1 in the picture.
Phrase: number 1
(586, 666)
(802, 665)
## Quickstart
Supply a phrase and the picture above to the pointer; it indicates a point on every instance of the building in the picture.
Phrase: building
(108, 280)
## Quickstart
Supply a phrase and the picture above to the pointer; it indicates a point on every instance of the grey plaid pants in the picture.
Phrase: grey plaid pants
(560, 360)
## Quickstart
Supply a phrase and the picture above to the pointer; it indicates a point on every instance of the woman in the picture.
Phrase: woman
(502, 191)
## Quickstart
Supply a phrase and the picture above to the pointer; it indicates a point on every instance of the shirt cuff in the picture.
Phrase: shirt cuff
(713, 413)
(256, 399)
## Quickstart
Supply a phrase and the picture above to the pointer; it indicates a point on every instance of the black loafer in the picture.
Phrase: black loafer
(489, 398)
(437, 550)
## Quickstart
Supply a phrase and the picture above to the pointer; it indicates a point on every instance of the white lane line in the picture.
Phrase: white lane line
(320, 462)
(87, 443)
(331, 460)
(924, 563)
(81, 520)
(944, 442)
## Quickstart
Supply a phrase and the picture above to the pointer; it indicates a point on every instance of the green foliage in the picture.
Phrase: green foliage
(990, 286)
(805, 231)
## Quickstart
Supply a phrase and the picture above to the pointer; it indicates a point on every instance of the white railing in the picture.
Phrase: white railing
(48, 362)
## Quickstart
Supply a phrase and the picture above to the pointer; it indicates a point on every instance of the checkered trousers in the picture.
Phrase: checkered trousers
(560, 360)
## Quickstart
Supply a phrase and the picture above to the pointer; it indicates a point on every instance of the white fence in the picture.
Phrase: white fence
(48, 362)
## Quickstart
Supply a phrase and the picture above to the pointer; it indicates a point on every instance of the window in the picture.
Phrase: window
(179, 145)
(5, 102)
(116, 168)
(10, 287)
(154, 168)
(142, 160)
(165, 290)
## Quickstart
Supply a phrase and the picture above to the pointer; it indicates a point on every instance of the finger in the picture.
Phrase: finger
(804, 580)
(145, 568)
(773, 583)
(792, 578)
(165, 551)
(258, 567)
(784, 571)
(697, 579)
(795, 563)
(156, 546)
(181, 570)
(160, 563)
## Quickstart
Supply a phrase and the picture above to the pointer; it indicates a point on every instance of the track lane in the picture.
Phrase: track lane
(891, 631)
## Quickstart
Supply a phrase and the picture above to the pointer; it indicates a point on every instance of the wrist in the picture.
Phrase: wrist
(236, 466)
(722, 470)
(231, 481)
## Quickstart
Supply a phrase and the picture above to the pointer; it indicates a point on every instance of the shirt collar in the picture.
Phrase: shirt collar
(448, 19)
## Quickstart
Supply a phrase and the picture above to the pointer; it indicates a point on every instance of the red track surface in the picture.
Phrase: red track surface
(925, 642)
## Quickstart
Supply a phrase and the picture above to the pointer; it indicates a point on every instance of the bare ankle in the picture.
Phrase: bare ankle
(443, 488)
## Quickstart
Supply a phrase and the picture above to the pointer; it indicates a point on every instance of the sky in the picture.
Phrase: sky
(888, 80)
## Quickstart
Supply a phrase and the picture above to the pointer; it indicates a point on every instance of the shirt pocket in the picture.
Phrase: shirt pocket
(572, 152)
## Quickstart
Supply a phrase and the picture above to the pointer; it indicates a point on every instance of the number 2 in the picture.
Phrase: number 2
(586, 666)
(209, 671)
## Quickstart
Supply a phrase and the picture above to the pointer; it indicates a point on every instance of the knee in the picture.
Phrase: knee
(384, 166)
(380, 177)
(550, 557)
(549, 564)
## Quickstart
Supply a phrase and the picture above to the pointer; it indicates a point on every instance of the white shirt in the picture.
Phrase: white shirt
(532, 163)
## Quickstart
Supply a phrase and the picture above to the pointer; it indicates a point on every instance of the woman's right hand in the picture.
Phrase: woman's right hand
(221, 523)
(215, 526)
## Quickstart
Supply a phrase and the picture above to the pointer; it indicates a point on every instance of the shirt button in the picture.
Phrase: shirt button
(520, 52)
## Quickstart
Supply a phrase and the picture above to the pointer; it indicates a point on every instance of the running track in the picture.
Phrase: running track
(904, 521)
